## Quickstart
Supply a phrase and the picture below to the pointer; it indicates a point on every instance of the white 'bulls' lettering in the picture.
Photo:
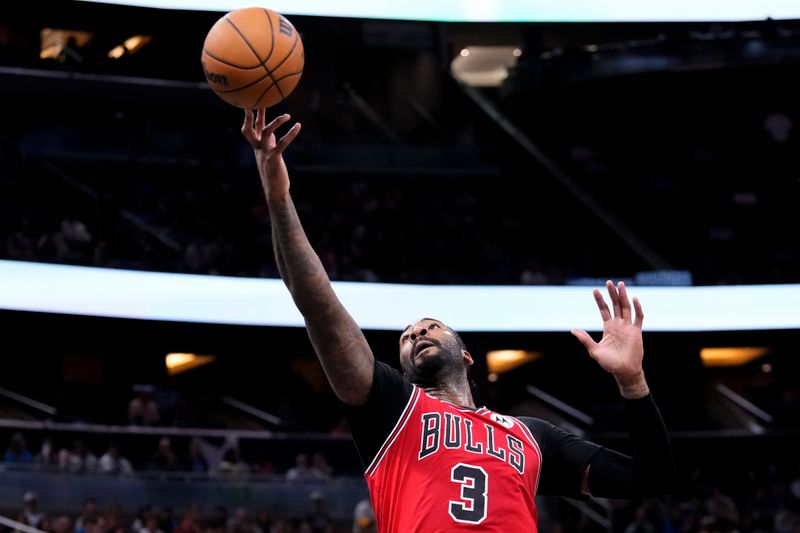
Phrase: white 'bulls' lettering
(455, 432)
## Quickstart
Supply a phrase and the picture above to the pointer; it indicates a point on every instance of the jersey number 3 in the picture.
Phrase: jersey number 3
(471, 507)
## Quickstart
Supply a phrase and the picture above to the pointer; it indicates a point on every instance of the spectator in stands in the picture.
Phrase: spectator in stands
(304, 527)
(640, 524)
(46, 455)
(197, 461)
(264, 521)
(88, 512)
(151, 525)
(165, 459)
(141, 519)
(17, 452)
(320, 469)
(231, 465)
(143, 409)
(787, 520)
(192, 521)
(300, 471)
(77, 239)
(31, 515)
(63, 524)
(283, 526)
(21, 245)
(319, 519)
(112, 462)
(240, 522)
(263, 467)
(364, 518)
(722, 508)
(94, 525)
(114, 522)
(166, 519)
(79, 460)
(218, 520)
(779, 126)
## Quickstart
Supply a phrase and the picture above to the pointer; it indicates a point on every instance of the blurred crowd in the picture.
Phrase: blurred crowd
(210, 218)
(757, 499)
(214, 221)
(201, 459)
(114, 518)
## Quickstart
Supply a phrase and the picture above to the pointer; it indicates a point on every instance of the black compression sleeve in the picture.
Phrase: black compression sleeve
(564, 456)
(649, 472)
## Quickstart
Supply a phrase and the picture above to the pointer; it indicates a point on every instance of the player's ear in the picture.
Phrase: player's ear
(467, 357)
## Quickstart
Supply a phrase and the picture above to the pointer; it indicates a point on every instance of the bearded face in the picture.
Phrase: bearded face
(431, 353)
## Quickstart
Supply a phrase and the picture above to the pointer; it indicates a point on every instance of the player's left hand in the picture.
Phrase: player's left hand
(620, 351)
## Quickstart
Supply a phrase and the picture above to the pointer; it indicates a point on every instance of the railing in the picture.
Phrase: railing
(18, 526)
(371, 115)
(61, 492)
(146, 235)
(28, 402)
(746, 413)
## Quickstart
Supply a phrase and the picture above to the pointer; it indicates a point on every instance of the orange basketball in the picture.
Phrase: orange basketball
(253, 57)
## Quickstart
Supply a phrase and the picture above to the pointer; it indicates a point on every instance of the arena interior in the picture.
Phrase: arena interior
(542, 157)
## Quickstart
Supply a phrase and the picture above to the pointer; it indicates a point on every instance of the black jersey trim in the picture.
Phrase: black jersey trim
(528, 433)
(398, 427)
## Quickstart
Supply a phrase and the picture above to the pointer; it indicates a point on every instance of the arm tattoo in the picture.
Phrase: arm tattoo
(279, 261)
(337, 339)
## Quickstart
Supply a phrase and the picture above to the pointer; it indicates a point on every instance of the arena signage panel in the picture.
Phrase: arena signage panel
(509, 10)
(107, 292)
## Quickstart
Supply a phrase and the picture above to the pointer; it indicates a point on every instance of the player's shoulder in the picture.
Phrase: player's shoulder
(384, 371)
(389, 385)
(540, 429)
(499, 418)
(524, 423)
(532, 421)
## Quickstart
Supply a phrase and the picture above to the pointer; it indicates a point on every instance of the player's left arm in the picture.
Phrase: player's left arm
(650, 470)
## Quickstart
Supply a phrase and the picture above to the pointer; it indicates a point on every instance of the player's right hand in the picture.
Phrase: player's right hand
(269, 151)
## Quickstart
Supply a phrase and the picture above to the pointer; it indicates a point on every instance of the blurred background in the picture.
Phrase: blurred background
(437, 153)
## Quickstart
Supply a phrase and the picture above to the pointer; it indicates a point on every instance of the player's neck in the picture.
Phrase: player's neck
(453, 394)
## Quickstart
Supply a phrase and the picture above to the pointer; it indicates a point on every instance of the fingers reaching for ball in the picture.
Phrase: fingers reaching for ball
(287, 139)
(262, 137)
(270, 128)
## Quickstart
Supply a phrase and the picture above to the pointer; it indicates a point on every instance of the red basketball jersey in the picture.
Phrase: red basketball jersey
(449, 468)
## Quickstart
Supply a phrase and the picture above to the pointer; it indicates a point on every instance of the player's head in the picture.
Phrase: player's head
(432, 353)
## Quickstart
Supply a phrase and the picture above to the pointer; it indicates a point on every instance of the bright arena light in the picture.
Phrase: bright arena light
(90, 291)
(508, 10)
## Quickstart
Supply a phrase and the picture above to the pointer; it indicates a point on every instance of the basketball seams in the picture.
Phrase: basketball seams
(258, 80)
(234, 65)
(258, 57)
(246, 86)
(274, 83)
(293, 58)
(288, 55)
(260, 64)
(277, 85)
(271, 37)
(249, 45)
(264, 93)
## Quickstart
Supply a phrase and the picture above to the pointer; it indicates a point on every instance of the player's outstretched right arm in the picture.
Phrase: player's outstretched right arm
(337, 339)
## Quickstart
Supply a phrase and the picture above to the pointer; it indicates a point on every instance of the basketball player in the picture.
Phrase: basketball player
(433, 460)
